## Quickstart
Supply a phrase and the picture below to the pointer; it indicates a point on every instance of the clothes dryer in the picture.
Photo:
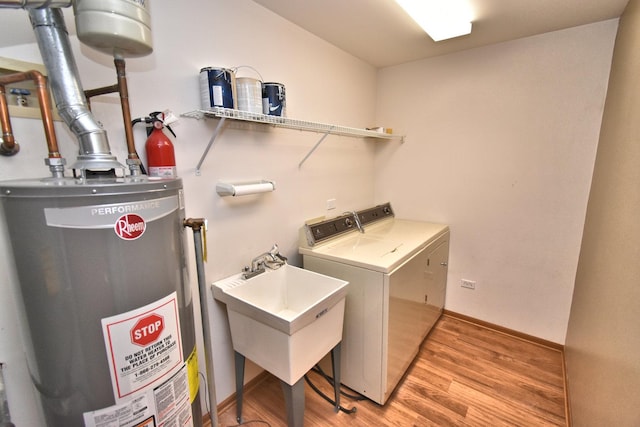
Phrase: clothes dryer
(397, 270)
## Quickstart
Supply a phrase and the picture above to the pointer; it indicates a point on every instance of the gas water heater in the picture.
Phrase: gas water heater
(107, 300)
(100, 254)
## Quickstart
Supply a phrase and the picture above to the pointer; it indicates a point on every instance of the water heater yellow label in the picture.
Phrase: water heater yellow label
(192, 373)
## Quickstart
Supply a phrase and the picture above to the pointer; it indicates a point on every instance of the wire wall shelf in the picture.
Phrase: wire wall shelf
(283, 122)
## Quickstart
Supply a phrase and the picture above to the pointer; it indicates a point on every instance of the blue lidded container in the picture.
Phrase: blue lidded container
(273, 99)
(217, 88)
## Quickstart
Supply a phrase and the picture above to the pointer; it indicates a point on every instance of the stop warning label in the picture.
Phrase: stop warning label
(144, 346)
(147, 329)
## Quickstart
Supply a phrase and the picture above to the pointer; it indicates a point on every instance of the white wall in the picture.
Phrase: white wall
(323, 84)
(601, 351)
(500, 144)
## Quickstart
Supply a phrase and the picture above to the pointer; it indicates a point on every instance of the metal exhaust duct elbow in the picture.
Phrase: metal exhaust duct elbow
(53, 41)
(22, 4)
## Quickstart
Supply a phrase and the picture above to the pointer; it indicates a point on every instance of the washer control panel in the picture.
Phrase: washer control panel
(327, 229)
(375, 213)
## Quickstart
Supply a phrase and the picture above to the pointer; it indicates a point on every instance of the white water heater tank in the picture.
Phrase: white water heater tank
(121, 28)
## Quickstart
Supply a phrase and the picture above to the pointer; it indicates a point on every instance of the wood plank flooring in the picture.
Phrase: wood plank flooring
(464, 375)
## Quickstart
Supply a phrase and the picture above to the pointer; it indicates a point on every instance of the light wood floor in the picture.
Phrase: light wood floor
(464, 375)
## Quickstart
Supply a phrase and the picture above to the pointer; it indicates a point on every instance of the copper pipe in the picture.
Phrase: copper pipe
(90, 93)
(45, 110)
(47, 115)
(126, 112)
(122, 89)
(8, 146)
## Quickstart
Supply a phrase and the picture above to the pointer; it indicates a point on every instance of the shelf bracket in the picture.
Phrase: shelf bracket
(314, 147)
(213, 138)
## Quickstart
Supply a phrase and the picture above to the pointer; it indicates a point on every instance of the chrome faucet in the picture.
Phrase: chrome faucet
(358, 223)
(272, 259)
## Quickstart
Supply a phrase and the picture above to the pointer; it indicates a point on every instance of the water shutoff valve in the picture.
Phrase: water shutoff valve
(21, 96)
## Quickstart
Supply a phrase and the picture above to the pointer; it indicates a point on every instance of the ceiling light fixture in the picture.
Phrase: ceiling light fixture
(441, 19)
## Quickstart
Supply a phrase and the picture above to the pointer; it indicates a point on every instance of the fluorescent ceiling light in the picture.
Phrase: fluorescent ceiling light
(441, 19)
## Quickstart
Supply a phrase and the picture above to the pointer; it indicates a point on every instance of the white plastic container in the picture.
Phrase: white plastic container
(249, 92)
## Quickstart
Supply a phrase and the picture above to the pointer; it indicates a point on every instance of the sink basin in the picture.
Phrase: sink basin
(284, 320)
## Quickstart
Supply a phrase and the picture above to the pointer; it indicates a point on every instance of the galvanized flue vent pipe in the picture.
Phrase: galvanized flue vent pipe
(17, 4)
(53, 41)
(5, 417)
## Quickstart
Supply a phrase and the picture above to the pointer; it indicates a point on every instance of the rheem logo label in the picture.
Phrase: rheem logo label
(147, 330)
(130, 226)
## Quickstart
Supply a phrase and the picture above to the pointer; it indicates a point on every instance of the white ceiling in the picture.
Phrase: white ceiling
(380, 33)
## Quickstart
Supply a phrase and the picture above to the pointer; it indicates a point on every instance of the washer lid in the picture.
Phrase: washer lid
(383, 247)
(407, 231)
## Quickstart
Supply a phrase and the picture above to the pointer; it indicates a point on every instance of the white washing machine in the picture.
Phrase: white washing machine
(397, 273)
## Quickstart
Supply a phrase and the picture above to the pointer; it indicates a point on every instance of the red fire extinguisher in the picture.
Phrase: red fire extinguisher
(161, 160)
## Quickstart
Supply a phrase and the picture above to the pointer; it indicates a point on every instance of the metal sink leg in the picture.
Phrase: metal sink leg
(294, 402)
(335, 362)
(239, 362)
(293, 395)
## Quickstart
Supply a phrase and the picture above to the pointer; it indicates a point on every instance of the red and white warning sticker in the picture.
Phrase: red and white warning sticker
(149, 376)
(143, 346)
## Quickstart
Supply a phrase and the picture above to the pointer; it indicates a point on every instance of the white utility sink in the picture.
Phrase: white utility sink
(284, 320)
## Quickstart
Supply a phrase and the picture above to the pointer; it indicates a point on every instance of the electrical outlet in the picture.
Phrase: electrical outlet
(331, 204)
(469, 284)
